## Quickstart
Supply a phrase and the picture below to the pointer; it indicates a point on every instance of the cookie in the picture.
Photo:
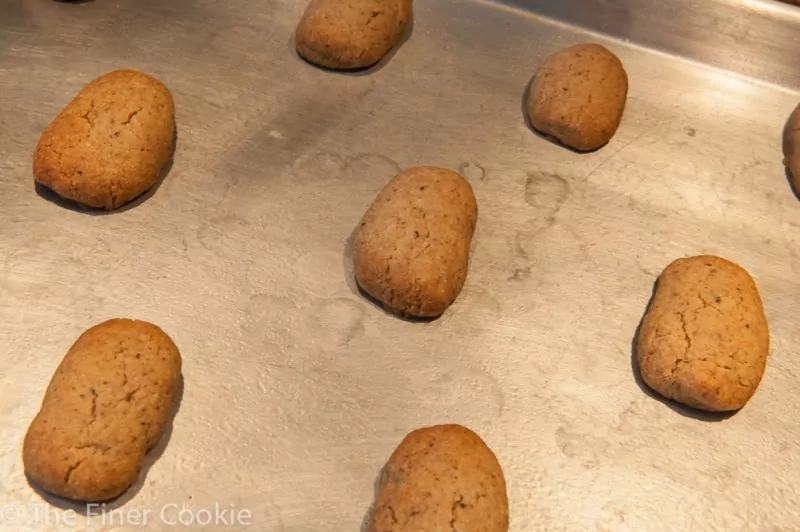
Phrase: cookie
(791, 147)
(411, 249)
(704, 340)
(441, 478)
(106, 406)
(351, 34)
(110, 143)
(577, 96)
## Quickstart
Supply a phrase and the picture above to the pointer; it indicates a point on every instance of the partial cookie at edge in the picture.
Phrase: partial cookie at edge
(438, 476)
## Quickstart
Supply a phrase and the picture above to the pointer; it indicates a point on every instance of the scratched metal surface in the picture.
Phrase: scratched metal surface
(296, 388)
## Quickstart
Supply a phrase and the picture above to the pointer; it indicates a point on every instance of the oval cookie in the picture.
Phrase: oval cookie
(110, 143)
(351, 34)
(441, 478)
(704, 340)
(106, 406)
(578, 95)
(411, 249)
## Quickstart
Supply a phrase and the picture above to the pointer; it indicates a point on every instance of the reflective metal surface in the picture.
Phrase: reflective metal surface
(296, 388)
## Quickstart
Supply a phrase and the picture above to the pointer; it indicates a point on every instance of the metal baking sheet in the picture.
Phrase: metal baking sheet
(297, 389)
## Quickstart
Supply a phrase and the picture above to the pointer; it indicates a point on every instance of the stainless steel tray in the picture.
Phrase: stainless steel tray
(296, 388)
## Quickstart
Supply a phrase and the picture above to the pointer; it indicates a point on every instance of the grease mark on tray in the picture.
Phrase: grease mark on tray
(749, 171)
(342, 318)
(521, 269)
(578, 446)
(595, 443)
(216, 230)
(317, 165)
(547, 193)
(286, 321)
(592, 443)
(517, 247)
(369, 165)
(473, 171)
(272, 319)
(520, 274)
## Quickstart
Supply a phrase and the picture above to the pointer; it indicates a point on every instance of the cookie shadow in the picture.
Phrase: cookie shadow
(50, 195)
(366, 523)
(355, 288)
(790, 179)
(152, 456)
(367, 70)
(55, 501)
(681, 409)
(525, 101)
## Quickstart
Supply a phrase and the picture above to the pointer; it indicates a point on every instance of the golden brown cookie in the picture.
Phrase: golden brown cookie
(704, 340)
(106, 406)
(351, 34)
(578, 95)
(791, 147)
(411, 249)
(110, 143)
(442, 478)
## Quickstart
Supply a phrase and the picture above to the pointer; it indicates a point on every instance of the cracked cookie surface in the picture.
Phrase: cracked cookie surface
(578, 96)
(110, 143)
(351, 34)
(411, 249)
(442, 478)
(106, 406)
(704, 341)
